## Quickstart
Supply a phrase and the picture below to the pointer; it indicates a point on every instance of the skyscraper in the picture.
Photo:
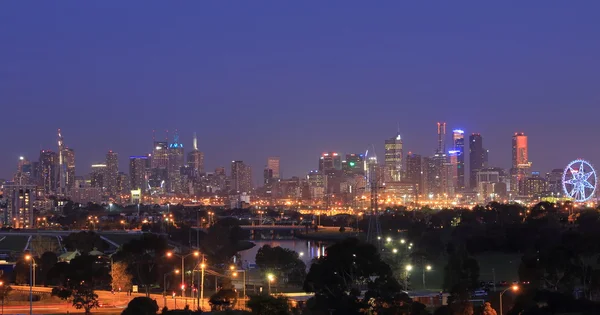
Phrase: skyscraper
(441, 132)
(458, 139)
(69, 160)
(160, 155)
(48, 171)
(176, 162)
(62, 167)
(24, 172)
(273, 164)
(354, 164)
(477, 157)
(19, 211)
(98, 175)
(137, 172)
(520, 163)
(112, 173)
(393, 159)
(241, 177)
(414, 171)
(195, 159)
(330, 161)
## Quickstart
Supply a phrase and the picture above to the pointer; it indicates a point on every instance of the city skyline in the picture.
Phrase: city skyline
(298, 91)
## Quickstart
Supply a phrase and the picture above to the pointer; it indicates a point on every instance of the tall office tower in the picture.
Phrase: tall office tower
(123, 185)
(535, 185)
(441, 132)
(268, 176)
(19, 201)
(438, 174)
(176, 162)
(554, 181)
(477, 157)
(354, 164)
(520, 163)
(112, 173)
(458, 139)
(195, 159)
(414, 171)
(137, 172)
(452, 168)
(160, 155)
(330, 161)
(48, 171)
(69, 160)
(98, 175)
(393, 159)
(273, 164)
(24, 172)
(62, 167)
(241, 177)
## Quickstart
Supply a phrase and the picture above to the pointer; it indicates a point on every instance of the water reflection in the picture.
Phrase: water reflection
(308, 250)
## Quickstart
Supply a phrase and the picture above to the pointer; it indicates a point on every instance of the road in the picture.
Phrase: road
(111, 303)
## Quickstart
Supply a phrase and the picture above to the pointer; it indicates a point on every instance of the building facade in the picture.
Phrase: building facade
(393, 159)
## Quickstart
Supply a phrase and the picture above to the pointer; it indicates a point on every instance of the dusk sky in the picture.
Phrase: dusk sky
(297, 78)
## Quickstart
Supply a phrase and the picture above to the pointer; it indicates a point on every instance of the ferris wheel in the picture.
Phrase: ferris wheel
(579, 180)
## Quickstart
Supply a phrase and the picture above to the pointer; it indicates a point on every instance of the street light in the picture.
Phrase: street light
(427, 268)
(514, 288)
(31, 264)
(409, 267)
(176, 271)
(202, 266)
(270, 277)
(3, 293)
(183, 257)
(235, 274)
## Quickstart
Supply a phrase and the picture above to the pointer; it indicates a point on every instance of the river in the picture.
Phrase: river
(308, 250)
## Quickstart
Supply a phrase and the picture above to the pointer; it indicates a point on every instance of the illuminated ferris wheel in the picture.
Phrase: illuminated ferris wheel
(579, 180)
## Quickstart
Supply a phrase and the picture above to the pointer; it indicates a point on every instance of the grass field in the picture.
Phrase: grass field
(501, 266)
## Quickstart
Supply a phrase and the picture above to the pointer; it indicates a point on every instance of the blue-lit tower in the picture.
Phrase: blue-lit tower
(458, 140)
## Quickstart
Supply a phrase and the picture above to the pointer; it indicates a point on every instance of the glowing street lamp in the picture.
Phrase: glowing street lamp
(183, 257)
(29, 258)
(514, 288)
(270, 278)
(176, 271)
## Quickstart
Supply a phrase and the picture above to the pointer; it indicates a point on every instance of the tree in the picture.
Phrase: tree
(84, 242)
(84, 297)
(265, 304)
(42, 244)
(121, 278)
(282, 262)
(488, 310)
(461, 274)
(141, 306)
(347, 268)
(47, 261)
(222, 300)
(4, 292)
(62, 293)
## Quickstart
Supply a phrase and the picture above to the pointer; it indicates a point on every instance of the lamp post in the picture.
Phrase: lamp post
(514, 288)
(31, 263)
(165, 285)
(202, 266)
(183, 257)
(425, 268)
(270, 278)
(235, 273)
(3, 293)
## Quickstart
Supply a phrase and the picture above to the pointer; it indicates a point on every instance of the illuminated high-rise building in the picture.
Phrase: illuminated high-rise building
(24, 172)
(160, 155)
(19, 201)
(195, 159)
(330, 161)
(458, 140)
(176, 162)
(520, 163)
(414, 171)
(112, 173)
(137, 172)
(241, 177)
(273, 165)
(48, 171)
(441, 132)
(62, 167)
(98, 175)
(354, 164)
(452, 168)
(393, 159)
(477, 158)
(69, 160)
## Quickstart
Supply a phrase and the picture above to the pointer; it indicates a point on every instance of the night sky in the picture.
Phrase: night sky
(297, 78)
